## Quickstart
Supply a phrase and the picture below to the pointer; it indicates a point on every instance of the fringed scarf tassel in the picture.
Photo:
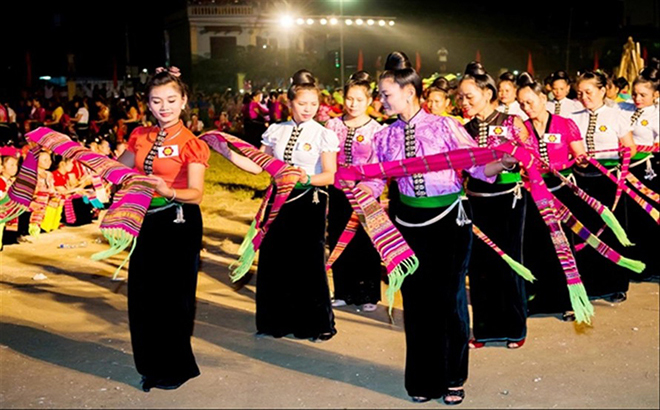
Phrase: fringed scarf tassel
(395, 277)
(516, 266)
(119, 240)
(582, 307)
(247, 254)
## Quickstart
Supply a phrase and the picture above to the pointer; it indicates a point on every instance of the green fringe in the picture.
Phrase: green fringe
(244, 263)
(583, 309)
(395, 280)
(519, 268)
(119, 240)
(13, 209)
(611, 221)
(249, 236)
(633, 265)
(34, 230)
(114, 276)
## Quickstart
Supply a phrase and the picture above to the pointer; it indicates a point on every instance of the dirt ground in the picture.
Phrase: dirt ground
(64, 343)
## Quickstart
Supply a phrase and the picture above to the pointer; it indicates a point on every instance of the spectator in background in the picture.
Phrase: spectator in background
(194, 124)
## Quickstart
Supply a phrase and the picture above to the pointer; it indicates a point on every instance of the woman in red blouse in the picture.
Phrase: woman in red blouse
(163, 268)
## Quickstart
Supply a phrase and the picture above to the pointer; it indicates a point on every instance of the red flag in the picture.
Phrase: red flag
(530, 66)
(114, 72)
(360, 63)
(596, 62)
(478, 57)
(645, 55)
(418, 62)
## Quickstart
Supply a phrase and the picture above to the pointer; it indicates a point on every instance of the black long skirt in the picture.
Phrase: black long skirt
(548, 294)
(602, 278)
(356, 273)
(293, 296)
(435, 307)
(497, 293)
(642, 230)
(162, 282)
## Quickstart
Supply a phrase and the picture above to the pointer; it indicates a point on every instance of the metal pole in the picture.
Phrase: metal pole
(341, 42)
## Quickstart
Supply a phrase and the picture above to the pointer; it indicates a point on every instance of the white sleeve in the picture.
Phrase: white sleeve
(269, 138)
(329, 141)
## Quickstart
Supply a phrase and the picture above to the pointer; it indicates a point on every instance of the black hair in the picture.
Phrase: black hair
(475, 71)
(359, 79)
(301, 80)
(560, 75)
(650, 74)
(621, 83)
(440, 84)
(598, 77)
(165, 77)
(526, 80)
(400, 70)
(507, 76)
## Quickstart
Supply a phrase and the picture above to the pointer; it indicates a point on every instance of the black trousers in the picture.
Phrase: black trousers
(293, 296)
(435, 307)
(162, 282)
(497, 292)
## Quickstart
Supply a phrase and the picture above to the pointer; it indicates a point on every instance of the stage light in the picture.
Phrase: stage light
(286, 21)
(333, 21)
(359, 22)
(349, 22)
(391, 23)
(381, 23)
(323, 22)
(310, 22)
(300, 21)
(370, 22)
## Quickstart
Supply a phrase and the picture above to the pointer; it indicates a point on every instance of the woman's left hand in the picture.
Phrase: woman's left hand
(509, 161)
(161, 187)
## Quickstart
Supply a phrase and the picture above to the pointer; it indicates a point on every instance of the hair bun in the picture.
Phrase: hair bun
(360, 76)
(652, 70)
(442, 84)
(475, 68)
(303, 77)
(525, 79)
(397, 60)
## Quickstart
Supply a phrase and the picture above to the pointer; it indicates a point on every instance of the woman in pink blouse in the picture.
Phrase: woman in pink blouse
(434, 220)
(356, 274)
(557, 140)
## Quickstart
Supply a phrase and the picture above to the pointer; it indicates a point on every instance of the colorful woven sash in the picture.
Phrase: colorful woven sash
(469, 157)
(123, 220)
(284, 180)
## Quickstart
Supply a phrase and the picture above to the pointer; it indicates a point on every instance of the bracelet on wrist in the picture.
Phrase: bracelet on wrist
(173, 196)
(308, 182)
(504, 167)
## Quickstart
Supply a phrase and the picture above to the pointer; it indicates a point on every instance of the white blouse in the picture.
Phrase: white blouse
(514, 109)
(305, 152)
(645, 127)
(611, 124)
(567, 107)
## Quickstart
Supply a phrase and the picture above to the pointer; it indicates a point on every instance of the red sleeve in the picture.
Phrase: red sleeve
(3, 185)
(196, 151)
(133, 138)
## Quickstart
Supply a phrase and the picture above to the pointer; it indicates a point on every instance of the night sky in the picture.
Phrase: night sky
(503, 32)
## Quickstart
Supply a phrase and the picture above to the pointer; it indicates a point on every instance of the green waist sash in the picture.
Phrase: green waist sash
(508, 178)
(158, 201)
(431, 201)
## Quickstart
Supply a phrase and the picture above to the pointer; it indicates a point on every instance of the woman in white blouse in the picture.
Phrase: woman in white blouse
(293, 296)
(604, 131)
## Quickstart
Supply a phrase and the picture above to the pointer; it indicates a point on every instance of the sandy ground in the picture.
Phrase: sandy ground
(64, 343)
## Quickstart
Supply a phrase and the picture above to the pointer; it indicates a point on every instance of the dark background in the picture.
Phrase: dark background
(559, 34)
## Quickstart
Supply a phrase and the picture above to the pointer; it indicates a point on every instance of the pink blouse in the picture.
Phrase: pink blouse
(559, 133)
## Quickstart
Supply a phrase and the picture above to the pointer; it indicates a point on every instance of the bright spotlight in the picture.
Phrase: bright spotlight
(333, 21)
(300, 21)
(310, 21)
(515, 72)
(381, 23)
(323, 22)
(359, 22)
(286, 21)
(391, 23)
(349, 22)
(370, 22)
